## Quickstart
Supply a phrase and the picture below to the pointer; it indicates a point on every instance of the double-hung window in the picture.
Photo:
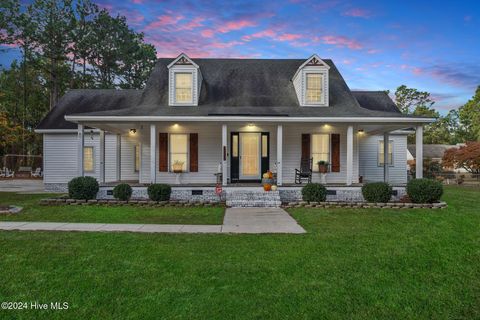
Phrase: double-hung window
(320, 148)
(183, 87)
(178, 152)
(381, 153)
(88, 164)
(313, 93)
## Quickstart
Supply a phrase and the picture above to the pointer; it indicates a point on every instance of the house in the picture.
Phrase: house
(237, 117)
(433, 152)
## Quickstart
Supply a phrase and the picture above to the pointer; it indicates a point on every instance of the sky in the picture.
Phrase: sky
(433, 46)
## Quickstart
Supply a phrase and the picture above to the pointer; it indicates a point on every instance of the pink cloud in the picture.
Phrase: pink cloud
(341, 41)
(207, 33)
(223, 45)
(193, 24)
(137, 1)
(272, 34)
(162, 21)
(236, 25)
(358, 13)
(373, 51)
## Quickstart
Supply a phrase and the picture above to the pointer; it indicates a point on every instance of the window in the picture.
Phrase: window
(390, 153)
(88, 159)
(314, 88)
(183, 87)
(137, 158)
(178, 152)
(320, 149)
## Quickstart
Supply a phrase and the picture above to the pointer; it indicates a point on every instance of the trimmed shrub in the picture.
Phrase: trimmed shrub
(314, 192)
(424, 190)
(83, 188)
(159, 192)
(377, 192)
(122, 192)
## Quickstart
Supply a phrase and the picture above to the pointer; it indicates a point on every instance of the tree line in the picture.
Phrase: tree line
(457, 126)
(64, 44)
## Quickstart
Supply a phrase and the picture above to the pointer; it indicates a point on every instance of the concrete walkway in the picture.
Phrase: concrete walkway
(237, 220)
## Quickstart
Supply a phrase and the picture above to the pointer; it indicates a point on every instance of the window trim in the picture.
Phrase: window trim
(135, 148)
(187, 167)
(324, 87)
(93, 159)
(329, 143)
(174, 89)
(390, 142)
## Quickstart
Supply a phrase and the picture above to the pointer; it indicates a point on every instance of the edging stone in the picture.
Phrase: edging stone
(133, 202)
(357, 205)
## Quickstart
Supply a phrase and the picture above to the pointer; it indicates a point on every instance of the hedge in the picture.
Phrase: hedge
(424, 190)
(314, 192)
(83, 188)
(377, 192)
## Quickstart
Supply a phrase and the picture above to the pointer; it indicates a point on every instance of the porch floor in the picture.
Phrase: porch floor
(134, 183)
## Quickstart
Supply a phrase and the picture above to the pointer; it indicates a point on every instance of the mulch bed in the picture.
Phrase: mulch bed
(386, 205)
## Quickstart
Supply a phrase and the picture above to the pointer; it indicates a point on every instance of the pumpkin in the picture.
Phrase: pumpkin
(267, 187)
(270, 174)
(266, 175)
(274, 188)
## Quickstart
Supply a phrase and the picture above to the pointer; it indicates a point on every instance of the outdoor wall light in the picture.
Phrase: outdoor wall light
(251, 124)
(360, 131)
(133, 131)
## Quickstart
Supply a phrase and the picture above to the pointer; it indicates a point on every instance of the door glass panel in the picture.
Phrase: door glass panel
(250, 154)
(264, 146)
(235, 146)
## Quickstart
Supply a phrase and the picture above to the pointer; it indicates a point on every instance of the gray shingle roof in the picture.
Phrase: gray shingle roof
(431, 151)
(375, 100)
(229, 87)
(87, 100)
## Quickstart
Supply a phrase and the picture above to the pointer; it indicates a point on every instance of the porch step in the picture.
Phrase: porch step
(252, 198)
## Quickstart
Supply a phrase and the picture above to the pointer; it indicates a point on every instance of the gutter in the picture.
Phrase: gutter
(79, 118)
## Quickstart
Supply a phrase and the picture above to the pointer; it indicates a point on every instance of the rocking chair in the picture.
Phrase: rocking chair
(305, 172)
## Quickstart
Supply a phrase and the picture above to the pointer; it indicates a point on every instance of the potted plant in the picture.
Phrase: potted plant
(177, 166)
(322, 166)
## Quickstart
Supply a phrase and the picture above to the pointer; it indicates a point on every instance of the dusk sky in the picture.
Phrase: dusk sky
(377, 45)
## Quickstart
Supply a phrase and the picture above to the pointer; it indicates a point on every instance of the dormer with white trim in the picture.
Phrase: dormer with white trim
(311, 83)
(184, 82)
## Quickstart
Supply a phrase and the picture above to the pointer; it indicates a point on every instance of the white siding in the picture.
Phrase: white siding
(60, 157)
(292, 150)
(369, 168)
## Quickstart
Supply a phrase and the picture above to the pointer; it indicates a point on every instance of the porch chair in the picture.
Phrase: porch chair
(37, 173)
(9, 174)
(2, 172)
(305, 172)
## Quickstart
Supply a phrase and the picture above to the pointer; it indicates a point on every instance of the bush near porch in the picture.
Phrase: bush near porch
(352, 264)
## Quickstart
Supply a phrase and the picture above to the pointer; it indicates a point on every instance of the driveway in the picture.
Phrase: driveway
(22, 185)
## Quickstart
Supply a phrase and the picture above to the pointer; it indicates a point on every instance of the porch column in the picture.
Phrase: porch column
(80, 150)
(153, 148)
(419, 152)
(118, 174)
(279, 154)
(385, 156)
(102, 156)
(224, 154)
(349, 155)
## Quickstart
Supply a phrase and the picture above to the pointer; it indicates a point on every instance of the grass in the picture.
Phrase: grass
(352, 264)
(102, 214)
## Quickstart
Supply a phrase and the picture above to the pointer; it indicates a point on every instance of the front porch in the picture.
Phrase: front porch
(240, 152)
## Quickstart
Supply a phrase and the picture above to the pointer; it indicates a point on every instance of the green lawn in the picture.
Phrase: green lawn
(352, 264)
(102, 214)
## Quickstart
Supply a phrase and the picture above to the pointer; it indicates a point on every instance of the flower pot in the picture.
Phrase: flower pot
(322, 168)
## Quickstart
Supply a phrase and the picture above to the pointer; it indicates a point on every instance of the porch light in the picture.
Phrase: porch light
(91, 134)
(251, 124)
(361, 131)
(326, 126)
(133, 131)
(175, 125)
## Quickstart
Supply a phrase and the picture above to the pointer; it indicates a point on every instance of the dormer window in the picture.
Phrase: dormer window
(183, 87)
(313, 88)
(185, 81)
(311, 83)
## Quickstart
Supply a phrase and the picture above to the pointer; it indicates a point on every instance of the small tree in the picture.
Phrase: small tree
(466, 157)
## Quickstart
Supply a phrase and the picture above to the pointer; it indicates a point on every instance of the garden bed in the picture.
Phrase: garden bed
(389, 205)
(105, 202)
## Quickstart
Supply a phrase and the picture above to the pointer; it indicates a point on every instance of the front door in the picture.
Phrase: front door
(249, 149)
